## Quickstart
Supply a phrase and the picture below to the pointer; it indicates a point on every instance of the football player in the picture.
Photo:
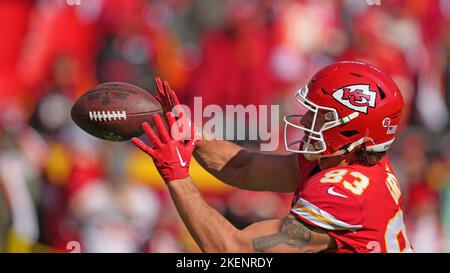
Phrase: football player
(346, 196)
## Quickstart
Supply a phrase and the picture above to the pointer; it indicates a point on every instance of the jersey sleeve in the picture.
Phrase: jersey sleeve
(331, 210)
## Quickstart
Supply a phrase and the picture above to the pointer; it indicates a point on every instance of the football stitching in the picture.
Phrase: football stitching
(107, 115)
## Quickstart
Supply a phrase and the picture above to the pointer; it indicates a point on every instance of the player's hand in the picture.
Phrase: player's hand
(170, 103)
(171, 157)
(167, 97)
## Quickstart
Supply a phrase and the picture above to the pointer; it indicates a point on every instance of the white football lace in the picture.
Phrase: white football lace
(107, 115)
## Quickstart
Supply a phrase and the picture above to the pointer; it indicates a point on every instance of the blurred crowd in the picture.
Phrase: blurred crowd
(63, 190)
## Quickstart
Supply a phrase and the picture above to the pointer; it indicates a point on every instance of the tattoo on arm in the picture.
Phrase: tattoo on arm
(292, 233)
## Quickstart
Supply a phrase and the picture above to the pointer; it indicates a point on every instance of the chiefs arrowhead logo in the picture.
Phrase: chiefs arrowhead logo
(356, 97)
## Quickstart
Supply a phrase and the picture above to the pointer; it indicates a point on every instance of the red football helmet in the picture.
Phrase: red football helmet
(348, 104)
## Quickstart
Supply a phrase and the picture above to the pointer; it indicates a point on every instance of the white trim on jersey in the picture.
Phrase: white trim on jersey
(321, 218)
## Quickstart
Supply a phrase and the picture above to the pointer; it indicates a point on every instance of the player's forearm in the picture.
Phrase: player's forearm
(247, 170)
(210, 230)
(223, 159)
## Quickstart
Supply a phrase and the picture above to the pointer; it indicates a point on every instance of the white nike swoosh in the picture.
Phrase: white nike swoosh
(332, 192)
(183, 163)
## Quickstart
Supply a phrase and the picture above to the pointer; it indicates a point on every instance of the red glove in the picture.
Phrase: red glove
(167, 97)
(169, 102)
(171, 157)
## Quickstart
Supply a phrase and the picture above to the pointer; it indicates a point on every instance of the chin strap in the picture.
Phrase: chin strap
(348, 118)
(374, 148)
(381, 147)
(355, 144)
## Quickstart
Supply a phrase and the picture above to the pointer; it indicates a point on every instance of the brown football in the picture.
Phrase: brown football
(115, 111)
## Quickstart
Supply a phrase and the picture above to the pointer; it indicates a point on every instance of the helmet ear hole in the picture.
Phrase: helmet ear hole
(349, 133)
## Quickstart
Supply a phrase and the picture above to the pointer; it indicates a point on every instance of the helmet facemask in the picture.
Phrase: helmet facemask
(312, 144)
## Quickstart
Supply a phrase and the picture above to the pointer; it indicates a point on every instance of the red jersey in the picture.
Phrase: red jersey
(359, 206)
